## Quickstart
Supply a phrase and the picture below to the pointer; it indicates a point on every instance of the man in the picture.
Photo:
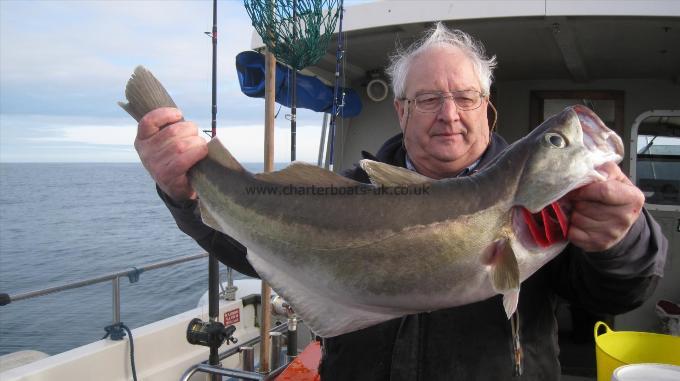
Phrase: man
(441, 87)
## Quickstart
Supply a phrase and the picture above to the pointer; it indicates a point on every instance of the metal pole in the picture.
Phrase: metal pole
(277, 343)
(213, 265)
(116, 300)
(248, 358)
(339, 55)
(214, 71)
(322, 144)
(99, 279)
(293, 84)
(270, 81)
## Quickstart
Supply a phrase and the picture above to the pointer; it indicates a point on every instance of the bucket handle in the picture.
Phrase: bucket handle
(601, 324)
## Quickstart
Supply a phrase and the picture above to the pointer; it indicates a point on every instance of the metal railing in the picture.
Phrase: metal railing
(114, 277)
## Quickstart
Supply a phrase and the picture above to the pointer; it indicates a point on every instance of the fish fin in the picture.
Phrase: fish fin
(208, 218)
(510, 300)
(505, 274)
(389, 175)
(144, 93)
(301, 173)
(325, 312)
(218, 152)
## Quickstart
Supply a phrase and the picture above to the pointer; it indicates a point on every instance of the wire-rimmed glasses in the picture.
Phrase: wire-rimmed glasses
(465, 100)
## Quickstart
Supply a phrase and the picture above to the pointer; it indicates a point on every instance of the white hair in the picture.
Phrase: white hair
(440, 35)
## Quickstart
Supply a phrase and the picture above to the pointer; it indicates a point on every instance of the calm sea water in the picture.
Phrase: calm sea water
(64, 222)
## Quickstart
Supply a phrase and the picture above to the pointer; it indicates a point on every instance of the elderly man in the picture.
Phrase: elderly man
(441, 86)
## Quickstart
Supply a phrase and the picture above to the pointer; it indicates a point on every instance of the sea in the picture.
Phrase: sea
(63, 222)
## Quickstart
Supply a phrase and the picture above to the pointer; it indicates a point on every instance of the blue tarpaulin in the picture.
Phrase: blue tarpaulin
(312, 94)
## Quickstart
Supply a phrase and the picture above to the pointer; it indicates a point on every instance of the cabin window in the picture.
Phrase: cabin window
(657, 159)
(608, 105)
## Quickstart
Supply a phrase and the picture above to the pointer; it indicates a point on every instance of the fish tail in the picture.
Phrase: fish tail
(144, 93)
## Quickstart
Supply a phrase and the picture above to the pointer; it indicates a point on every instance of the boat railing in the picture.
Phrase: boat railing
(114, 277)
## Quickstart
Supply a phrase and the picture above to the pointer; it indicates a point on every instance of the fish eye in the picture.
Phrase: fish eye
(555, 140)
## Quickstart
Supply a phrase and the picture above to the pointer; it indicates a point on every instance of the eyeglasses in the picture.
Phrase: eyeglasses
(465, 100)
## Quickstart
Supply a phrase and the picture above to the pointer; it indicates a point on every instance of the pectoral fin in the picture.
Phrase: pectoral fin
(505, 274)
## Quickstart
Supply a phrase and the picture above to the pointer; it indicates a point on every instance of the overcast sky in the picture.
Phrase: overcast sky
(64, 65)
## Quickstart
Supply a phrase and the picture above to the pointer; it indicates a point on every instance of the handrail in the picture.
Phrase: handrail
(132, 274)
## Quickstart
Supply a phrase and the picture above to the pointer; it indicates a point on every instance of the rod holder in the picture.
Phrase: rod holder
(291, 334)
(248, 358)
(277, 344)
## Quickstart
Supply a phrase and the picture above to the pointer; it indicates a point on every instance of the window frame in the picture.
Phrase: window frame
(633, 153)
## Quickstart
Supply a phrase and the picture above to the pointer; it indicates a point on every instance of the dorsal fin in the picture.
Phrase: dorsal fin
(301, 173)
(389, 175)
(219, 153)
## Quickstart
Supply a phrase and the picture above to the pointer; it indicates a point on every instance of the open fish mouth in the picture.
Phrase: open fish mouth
(550, 225)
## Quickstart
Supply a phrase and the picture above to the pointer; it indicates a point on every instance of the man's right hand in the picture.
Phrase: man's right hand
(168, 147)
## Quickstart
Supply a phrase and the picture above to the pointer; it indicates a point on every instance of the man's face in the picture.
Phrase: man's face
(444, 143)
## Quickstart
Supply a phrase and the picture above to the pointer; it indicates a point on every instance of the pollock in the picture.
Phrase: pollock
(348, 255)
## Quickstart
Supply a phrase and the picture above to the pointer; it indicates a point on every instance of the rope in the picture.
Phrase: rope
(518, 368)
(115, 331)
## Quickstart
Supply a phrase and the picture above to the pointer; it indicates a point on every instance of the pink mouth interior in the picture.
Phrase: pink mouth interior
(547, 227)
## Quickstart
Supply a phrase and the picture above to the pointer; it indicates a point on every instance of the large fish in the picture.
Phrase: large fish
(348, 255)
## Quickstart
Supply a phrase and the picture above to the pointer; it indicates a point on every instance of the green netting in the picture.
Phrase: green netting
(298, 40)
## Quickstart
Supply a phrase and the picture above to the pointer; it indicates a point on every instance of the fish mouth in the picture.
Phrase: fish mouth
(603, 143)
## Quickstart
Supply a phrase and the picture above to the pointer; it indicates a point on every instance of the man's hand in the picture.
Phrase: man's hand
(168, 147)
(603, 212)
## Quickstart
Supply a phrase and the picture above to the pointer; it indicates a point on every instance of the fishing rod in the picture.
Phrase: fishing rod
(213, 265)
(212, 333)
(335, 111)
(293, 103)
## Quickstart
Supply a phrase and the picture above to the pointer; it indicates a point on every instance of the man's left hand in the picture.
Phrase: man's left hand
(604, 211)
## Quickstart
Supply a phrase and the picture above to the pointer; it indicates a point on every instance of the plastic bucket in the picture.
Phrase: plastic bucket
(614, 349)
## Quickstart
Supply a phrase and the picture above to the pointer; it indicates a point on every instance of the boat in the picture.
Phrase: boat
(620, 58)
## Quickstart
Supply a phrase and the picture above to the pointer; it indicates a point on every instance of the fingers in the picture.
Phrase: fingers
(168, 147)
(614, 172)
(603, 212)
(597, 227)
(616, 190)
(173, 168)
(177, 157)
(154, 121)
(610, 192)
(593, 241)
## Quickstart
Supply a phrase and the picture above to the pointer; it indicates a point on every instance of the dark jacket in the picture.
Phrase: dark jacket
(473, 342)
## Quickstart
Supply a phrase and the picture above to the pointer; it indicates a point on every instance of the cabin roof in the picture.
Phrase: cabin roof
(532, 39)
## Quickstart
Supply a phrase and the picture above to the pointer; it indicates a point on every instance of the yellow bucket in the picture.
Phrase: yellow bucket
(614, 349)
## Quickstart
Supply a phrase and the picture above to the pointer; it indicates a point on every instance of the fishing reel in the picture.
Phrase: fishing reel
(209, 334)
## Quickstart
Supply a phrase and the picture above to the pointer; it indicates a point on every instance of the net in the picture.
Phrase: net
(297, 32)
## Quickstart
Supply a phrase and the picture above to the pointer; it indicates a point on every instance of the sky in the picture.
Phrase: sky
(64, 65)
